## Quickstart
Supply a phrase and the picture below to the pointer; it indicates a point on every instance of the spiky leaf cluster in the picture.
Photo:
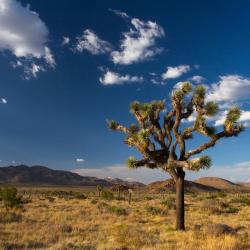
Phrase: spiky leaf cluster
(186, 87)
(199, 95)
(133, 128)
(204, 162)
(211, 108)
(112, 125)
(234, 114)
(131, 162)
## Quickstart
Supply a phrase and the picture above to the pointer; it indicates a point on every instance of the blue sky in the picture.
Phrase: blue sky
(66, 68)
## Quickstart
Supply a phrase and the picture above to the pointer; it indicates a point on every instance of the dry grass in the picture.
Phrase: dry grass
(53, 221)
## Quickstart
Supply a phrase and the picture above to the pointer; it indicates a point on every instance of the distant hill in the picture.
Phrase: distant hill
(244, 184)
(218, 183)
(39, 175)
(159, 186)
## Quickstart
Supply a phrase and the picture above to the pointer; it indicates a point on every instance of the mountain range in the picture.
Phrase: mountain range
(40, 175)
(43, 176)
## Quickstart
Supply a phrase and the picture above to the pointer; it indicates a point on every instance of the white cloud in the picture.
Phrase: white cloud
(80, 160)
(32, 70)
(65, 41)
(111, 78)
(91, 42)
(197, 79)
(138, 44)
(175, 72)
(3, 100)
(49, 58)
(120, 13)
(24, 34)
(230, 88)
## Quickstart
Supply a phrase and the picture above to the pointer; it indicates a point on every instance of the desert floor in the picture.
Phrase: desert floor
(60, 219)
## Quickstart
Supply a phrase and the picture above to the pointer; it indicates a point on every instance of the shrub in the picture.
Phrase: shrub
(80, 196)
(102, 205)
(107, 195)
(50, 198)
(156, 210)
(219, 229)
(242, 200)
(9, 217)
(232, 210)
(65, 228)
(10, 198)
(117, 210)
(169, 203)
(218, 207)
(216, 195)
(93, 202)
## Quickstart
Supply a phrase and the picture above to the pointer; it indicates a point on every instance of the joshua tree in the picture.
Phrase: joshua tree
(130, 193)
(119, 188)
(161, 136)
(99, 189)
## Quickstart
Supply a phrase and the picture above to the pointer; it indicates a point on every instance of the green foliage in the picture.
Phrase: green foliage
(112, 125)
(218, 207)
(10, 217)
(211, 108)
(156, 210)
(131, 162)
(80, 196)
(147, 108)
(107, 195)
(204, 162)
(199, 94)
(210, 130)
(99, 188)
(93, 201)
(232, 210)
(117, 210)
(244, 200)
(233, 114)
(133, 128)
(143, 136)
(169, 203)
(135, 107)
(10, 198)
(186, 87)
(104, 207)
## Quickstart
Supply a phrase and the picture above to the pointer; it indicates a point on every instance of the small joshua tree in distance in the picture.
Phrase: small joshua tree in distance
(162, 138)
(99, 189)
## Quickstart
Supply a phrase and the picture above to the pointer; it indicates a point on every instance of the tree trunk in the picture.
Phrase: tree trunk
(180, 211)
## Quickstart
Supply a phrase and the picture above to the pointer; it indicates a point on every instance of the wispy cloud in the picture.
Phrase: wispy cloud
(80, 160)
(175, 72)
(3, 100)
(138, 44)
(65, 41)
(91, 42)
(111, 78)
(236, 172)
(197, 79)
(121, 171)
(24, 34)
